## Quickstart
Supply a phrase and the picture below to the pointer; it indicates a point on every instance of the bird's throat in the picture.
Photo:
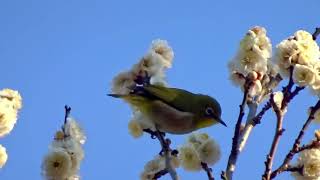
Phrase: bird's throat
(206, 122)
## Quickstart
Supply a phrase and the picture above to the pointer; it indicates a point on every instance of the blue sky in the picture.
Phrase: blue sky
(67, 52)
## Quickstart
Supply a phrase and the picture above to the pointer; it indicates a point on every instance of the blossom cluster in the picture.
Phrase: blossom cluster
(62, 162)
(152, 65)
(199, 148)
(10, 104)
(156, 165)
(3, 156)
(309, 160)
(301, 53)
(253, 61)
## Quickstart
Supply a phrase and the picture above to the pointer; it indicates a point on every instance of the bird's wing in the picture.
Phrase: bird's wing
(172, 96)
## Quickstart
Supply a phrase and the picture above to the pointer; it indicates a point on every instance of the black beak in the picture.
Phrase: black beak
(220, 121)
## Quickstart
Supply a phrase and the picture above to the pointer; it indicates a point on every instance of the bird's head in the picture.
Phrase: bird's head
(208, 111)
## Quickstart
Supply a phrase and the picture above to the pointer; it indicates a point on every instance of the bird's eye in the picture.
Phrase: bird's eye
(209, 111)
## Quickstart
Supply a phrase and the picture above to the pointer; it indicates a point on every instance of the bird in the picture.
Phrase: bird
(173, 110)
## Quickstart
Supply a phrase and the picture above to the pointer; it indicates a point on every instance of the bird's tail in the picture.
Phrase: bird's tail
(140, 102)
(116, 95)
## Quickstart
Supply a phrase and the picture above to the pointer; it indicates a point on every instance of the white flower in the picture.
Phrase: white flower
(122, 83)
(158, 79)
(74, 150)
(310, 160)
(13, 96)
(298, 176)
(197, 139)
(253, 53)
(315, 87)
(152, 167)
(209, 152)
(3, 156)
(189, 158)
(317, 134)
(162, 48)
(255, 89)
(286, 55)
(57, 165)
(303, 75)
(73, 129)
(155, 165)
(135, 128)
(8, 117)
(278, 98)
(144, 122)
(300, 49)
(237, 79)
(309, 48)
(153, 63)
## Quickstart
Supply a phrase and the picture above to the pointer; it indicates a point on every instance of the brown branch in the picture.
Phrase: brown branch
(295, 148)
(288, 95)
(208, 170)
(276, 139)
(298, 169)
(166, 151)
(160, 174)
(258, 117)
(234, 150)
(66, 116)
(312, 145)
(67, 113)
(223, 175)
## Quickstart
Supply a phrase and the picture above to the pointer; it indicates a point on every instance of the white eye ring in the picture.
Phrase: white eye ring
(209, 111)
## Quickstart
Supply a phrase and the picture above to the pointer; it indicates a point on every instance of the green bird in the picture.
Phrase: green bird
(173, 110)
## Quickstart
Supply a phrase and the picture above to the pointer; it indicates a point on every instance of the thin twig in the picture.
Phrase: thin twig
(296, 146)
(316, 33)
(234, 151)
(223, 175)
(160, 174)
(295, 169)
(258, 117)
(166, 151)
(66, 116)
(276, 139)
(67, 113)
(313, 144)
(208, 170)
(288, 95)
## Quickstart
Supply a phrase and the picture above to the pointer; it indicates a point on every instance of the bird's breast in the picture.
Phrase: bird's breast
(171, 120)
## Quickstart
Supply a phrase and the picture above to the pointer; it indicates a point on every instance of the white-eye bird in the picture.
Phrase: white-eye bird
(173, 110)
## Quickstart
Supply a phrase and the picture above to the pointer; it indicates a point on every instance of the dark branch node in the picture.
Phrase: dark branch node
(160, 174)
(208, 170)
(316, 33)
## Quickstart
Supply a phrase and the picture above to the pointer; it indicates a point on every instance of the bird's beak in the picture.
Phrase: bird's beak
(220, 121)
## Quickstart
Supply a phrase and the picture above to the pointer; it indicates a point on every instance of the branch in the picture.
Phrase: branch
(160, 174)
(276, 139)
(288, 95)
(295, 148)
(66, 115)
(316, 33)
(166, 151)
(234, 151)
(223, 176)
(249, 125)
(258, 117)
(208, 170)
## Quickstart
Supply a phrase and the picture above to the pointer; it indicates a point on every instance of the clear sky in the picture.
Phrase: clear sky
(67, 52)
